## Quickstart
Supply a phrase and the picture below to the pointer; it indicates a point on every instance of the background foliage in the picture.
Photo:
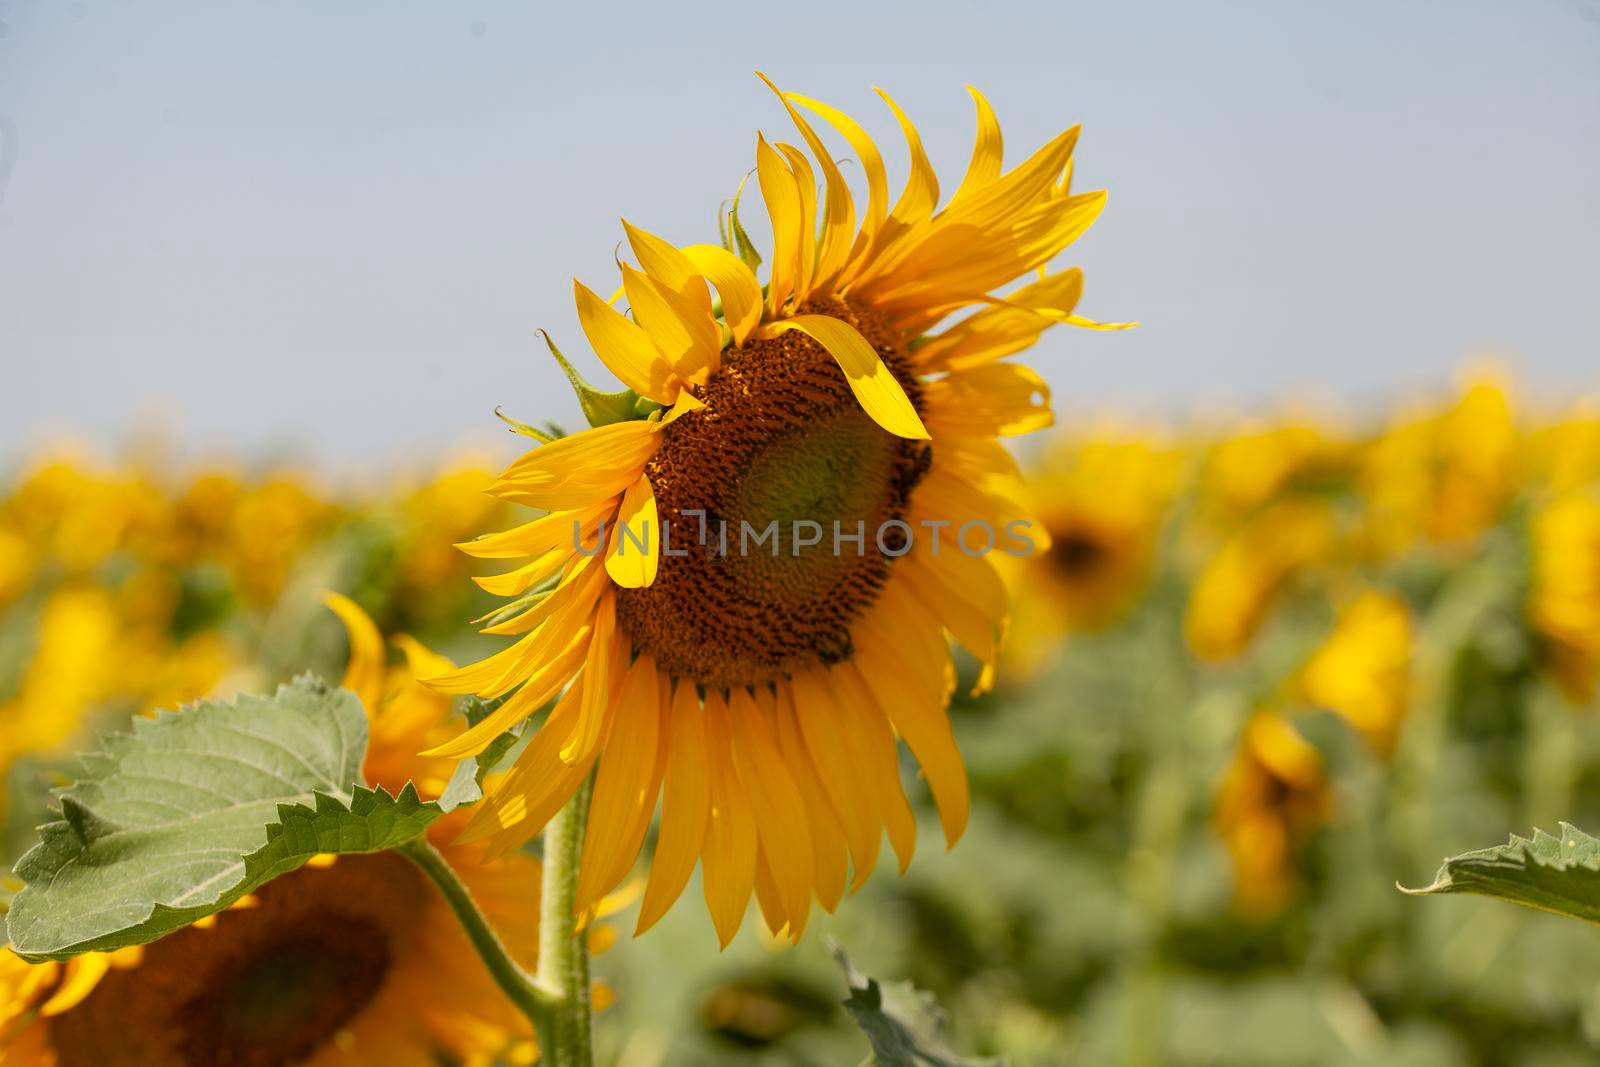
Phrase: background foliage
(1270, 668)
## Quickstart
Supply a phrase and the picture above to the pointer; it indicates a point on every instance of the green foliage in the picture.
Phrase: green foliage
(188, 812)
(466, 784)
(1558, 874)
(904, 1025)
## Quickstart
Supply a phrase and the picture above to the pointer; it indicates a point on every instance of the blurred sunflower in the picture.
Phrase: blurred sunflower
(1363, 671)
(762, 693)
(1254, 464)
(343, 964)
(1442, 478)
(16, 565)
(72, 669)
(1239, 584)
(1565, 598)
(1564, 455)
(1274, 794)
(1101, 500)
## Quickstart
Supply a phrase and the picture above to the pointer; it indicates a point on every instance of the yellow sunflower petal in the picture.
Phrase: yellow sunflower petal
(875, 387)
(581, 470)
(782, 198)
(685, 807)
(625, 787)
(669, 266)
(838, 210)
(780, 812)
(367, 667)
(728, 862)
(1006, 327)
(987, 149)
(556, 530)
(920, 718)
(685, 403)
(767, 895)
(867, 732)
(829, 853)
(636, 542)
(685, 335)
(844, 769)
(921, 192)
(871, 165)
(1001, 399)
(739, 289)
(624, 347)
(536, 690)
(602, 673)
(83, 974)
(805, 183)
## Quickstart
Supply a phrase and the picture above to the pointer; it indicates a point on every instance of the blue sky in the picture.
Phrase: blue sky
(333, 229)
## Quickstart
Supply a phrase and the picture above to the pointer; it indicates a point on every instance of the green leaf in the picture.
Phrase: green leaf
(466, 784)
(1559, 874)
(904, 1025)
(190, 811)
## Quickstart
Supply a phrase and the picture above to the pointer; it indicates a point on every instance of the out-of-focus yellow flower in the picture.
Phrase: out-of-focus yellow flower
(1101, 501)
(404, 716)
(1275, 793)
(1564, 455)
(1257, 463)
(1363, 671)
(1565, 599)
(30, 993)
(72, 669)
(270, 528)
(16, 565)
(339, 964)
(1442, 478)
(452, 507)
(162, 673)
(1238, 586)
(78, 516)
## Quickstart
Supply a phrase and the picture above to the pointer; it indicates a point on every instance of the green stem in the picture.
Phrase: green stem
(563, 978)
(515, 982)
(1160, 813)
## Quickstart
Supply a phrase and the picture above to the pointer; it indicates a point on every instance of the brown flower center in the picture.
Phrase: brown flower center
(1076, 554)
(267, 986)
(781, 444)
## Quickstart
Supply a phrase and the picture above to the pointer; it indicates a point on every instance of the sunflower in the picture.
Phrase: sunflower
(1274, 795)
(1564, 603)
(69, 674)
(352, 962)
(1102, 501)
(1442, 478)
(762, 692)
(1256, 463)
(1239, 585)
(1362, 672)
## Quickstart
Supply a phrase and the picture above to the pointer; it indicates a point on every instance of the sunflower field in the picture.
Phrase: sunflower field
(491, 764)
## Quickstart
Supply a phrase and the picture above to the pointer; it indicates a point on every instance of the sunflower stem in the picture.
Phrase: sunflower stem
(563, 978)
(517, 984)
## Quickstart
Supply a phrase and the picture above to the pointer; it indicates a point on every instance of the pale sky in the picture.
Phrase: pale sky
(333, 229)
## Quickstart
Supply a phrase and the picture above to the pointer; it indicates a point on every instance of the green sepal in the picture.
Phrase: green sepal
(742, 245)
(544, 437)
(601, 409)
(189, 811)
